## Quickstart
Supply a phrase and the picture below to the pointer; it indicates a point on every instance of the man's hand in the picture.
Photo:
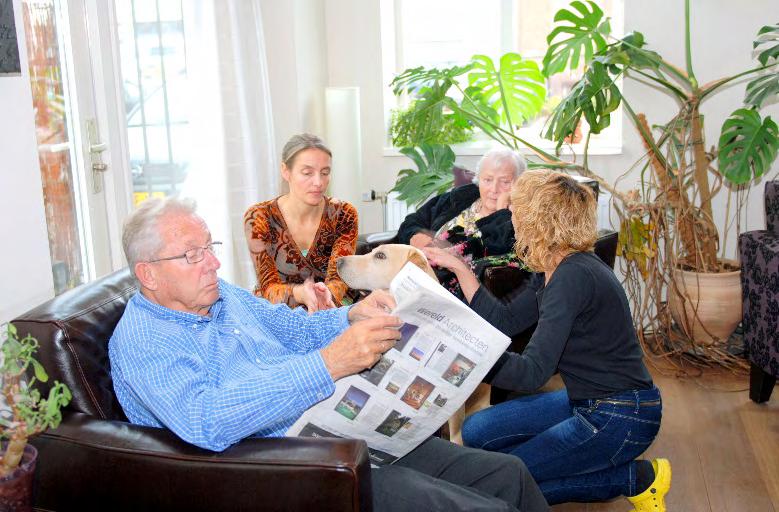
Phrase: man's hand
(420, 240)
(378, 303)
(361, 345)
(315, 296)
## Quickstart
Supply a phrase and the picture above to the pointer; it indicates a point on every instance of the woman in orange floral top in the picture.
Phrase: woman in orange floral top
(296, 238)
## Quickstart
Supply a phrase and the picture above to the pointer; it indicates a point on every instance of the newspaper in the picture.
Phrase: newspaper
(444, 352)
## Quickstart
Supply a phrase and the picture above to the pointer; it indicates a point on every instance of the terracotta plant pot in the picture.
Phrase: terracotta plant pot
(16, 488)
(707, 307)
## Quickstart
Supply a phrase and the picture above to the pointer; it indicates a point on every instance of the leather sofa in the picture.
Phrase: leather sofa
(759, 254)
(97, 460)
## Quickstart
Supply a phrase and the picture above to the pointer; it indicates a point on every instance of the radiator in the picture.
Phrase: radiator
(395, 211)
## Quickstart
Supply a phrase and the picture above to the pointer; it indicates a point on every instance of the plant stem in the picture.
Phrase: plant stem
(586, 150)
(682, 96)
(727, 228)
(708, 233)
(505, 104)
(688, 53)
(716, 84)
(13, 453)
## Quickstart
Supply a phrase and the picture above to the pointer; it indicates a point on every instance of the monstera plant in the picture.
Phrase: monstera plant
(432, 176)
(496, 101)
(667, 223)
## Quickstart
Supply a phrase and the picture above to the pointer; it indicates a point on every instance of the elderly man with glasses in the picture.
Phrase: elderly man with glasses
(215, 364)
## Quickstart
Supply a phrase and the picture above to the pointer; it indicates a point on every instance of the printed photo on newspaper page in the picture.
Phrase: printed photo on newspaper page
(444, 351)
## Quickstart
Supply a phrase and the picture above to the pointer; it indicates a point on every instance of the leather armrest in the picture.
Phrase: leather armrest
(606, 246)
(504, 279)
(92, 464)
(369, 241)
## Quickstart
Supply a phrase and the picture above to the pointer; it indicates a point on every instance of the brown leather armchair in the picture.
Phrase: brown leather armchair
(97, 460)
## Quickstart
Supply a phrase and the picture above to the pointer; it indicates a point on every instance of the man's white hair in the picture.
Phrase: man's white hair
(141, 235)
(499, 155)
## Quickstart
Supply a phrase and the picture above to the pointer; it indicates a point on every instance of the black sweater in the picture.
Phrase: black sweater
(496, 229)
(584, 330)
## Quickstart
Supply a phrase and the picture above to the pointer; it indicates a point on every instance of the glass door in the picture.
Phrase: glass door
(84, 184)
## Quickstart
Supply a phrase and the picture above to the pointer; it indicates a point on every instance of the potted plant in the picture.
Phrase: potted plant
(666, 226)
(24, 414)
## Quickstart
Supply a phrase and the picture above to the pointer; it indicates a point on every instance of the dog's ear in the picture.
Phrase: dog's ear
(417, 258)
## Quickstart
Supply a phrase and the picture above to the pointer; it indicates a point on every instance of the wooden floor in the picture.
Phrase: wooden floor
(723, 448)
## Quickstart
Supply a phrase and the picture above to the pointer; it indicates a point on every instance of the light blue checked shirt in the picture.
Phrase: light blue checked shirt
(250, 368)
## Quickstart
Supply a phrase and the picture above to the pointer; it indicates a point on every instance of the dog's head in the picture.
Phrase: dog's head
(375, 270)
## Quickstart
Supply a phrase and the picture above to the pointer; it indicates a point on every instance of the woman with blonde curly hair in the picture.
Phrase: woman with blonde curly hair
(579, 443)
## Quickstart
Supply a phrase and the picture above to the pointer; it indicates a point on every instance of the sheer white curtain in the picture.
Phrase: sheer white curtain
(234, 161)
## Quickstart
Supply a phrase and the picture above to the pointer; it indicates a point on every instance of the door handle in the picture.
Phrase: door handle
(96, 148)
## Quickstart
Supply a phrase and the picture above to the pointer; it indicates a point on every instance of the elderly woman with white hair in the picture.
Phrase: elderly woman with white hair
(478, 207)
(473, 218)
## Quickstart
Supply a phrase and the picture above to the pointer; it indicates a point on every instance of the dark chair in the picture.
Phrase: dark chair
(759, 253)
(96, 460)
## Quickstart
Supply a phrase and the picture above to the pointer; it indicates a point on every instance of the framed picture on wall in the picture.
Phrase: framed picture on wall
(9, 47)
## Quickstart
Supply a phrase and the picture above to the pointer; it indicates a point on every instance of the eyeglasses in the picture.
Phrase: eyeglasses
(194, 255)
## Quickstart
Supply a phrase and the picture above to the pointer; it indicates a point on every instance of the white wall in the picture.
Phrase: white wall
(25, 264)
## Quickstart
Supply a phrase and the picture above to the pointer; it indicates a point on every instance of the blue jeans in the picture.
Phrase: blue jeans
(581, 450)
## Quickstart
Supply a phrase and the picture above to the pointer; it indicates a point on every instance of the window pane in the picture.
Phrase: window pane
(54, 134)
(448, 32)
(443, 33)
(154, 67)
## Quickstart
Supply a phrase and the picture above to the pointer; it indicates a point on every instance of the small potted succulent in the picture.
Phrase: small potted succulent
(23, 413)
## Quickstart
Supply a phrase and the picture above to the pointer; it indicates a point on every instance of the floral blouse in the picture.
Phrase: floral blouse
(280, 263)
(467, 220)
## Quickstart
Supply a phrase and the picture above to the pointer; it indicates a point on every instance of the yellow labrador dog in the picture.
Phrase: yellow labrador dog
(374, 271)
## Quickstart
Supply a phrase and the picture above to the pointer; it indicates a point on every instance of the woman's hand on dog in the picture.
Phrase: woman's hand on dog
(420, 239)
(443, 258)
(447, 259)
(361, 345)
(378, 303)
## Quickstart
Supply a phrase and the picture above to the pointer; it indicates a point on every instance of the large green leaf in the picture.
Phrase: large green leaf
(516, 91)
(426, 117)
(433, 175)
(762, 88)
(747, 146)
(595, 96)
(414, 79)
(769, 36)
(585, 33)
(431, 111)
(629, 51)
